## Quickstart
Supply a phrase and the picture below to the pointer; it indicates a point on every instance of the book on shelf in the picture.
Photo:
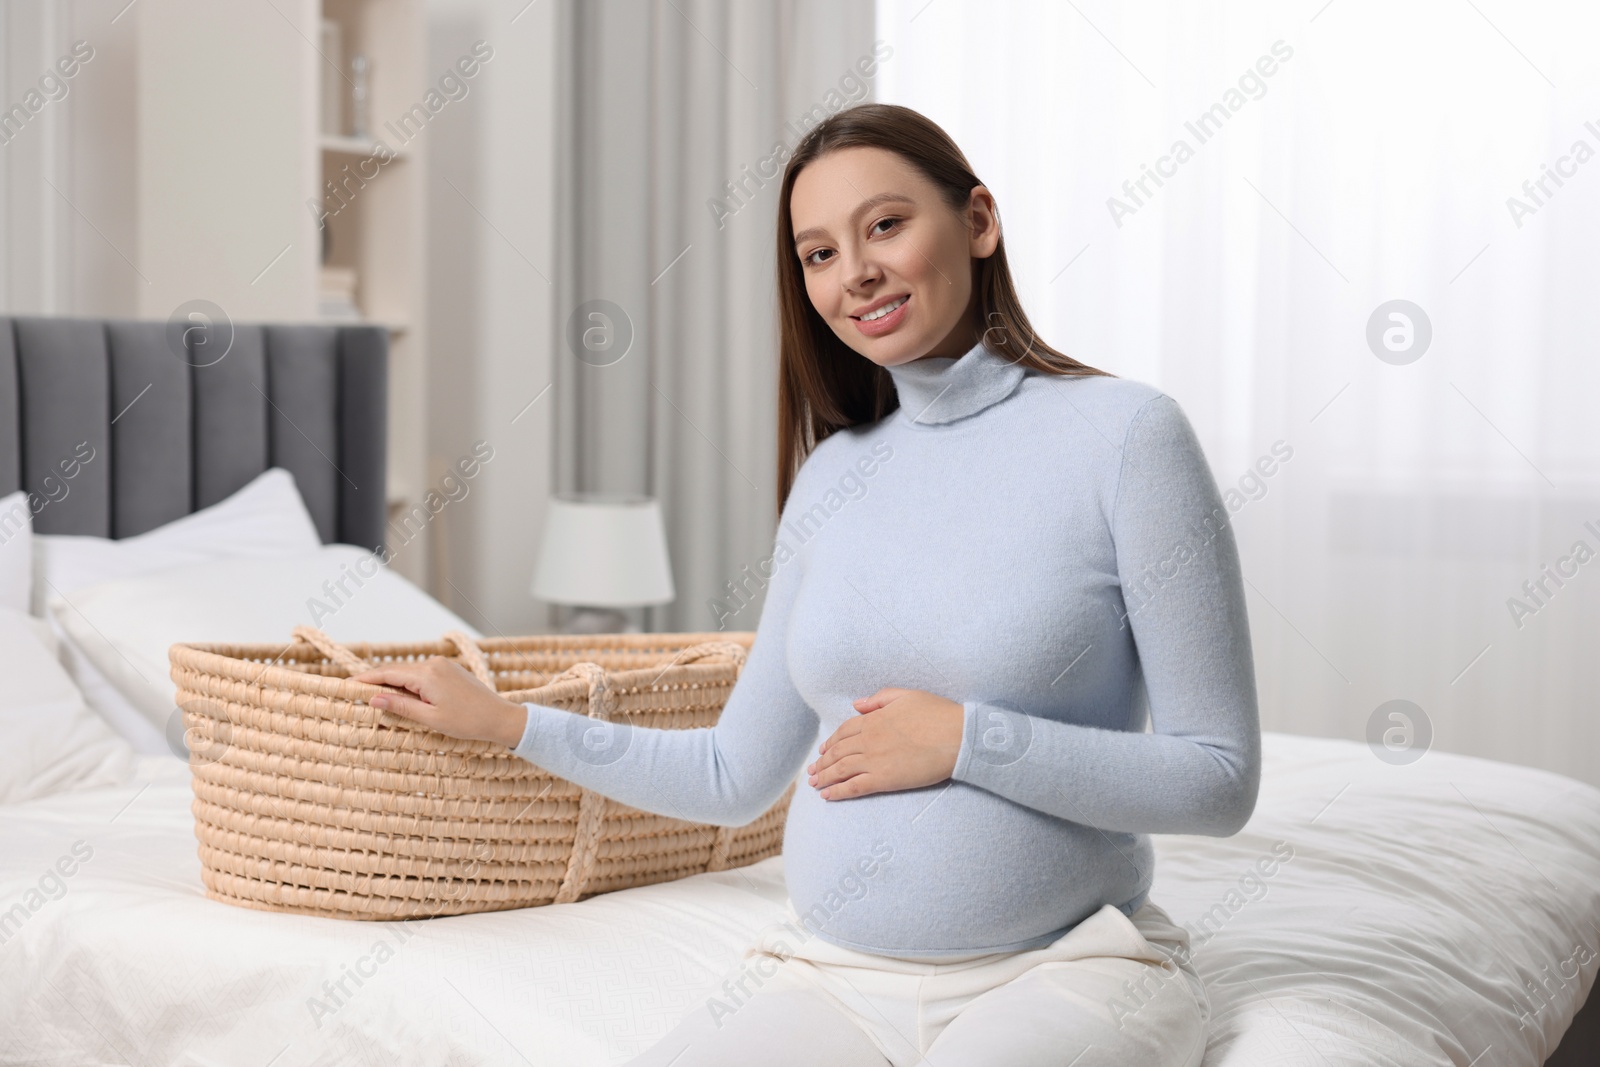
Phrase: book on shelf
(336, 294)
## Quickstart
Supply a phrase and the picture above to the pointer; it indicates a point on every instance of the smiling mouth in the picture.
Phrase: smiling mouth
(878, 313)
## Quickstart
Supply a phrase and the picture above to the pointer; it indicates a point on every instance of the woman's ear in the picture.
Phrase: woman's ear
(983, 222)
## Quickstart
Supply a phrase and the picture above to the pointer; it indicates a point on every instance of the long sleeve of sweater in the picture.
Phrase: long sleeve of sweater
(728, 774)
(1178, 566)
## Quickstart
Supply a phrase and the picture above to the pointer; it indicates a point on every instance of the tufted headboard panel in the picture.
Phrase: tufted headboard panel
(121, 426)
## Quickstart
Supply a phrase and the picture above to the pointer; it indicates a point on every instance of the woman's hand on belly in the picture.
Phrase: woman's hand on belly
(902, 739)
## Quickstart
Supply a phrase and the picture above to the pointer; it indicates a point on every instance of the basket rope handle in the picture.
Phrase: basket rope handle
(467, 651)
(331, 648)
(722, 841)
(592, 806)
(731, 649)
(471, 656)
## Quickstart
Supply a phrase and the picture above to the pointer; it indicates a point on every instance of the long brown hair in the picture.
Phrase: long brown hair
(824, 385)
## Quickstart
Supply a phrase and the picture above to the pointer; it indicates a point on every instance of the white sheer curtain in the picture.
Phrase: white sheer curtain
(1368, 157)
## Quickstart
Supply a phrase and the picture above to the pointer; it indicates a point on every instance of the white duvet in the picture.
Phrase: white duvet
(1442, 913)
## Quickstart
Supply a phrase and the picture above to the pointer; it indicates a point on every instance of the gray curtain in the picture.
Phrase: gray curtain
(679, 114)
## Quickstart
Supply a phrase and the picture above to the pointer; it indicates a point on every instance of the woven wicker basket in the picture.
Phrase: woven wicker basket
(309, 800)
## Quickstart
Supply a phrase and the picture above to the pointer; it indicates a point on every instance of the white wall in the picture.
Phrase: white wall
(77, 177)
(224, 96)
(68, 232)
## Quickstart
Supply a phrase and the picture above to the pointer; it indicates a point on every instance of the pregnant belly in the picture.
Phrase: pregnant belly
(950, 868)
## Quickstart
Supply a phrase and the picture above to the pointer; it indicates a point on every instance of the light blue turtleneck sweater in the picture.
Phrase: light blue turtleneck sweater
(1053, 554)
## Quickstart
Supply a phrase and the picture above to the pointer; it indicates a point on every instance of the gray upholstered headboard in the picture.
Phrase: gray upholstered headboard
(174, 430)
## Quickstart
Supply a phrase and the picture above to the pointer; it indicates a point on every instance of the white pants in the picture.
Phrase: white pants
(1114, 991)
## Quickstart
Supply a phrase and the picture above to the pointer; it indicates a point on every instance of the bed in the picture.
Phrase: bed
(1441, 912)
(1400, 911)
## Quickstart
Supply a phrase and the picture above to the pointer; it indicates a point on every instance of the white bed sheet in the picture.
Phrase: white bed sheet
(1415, 904)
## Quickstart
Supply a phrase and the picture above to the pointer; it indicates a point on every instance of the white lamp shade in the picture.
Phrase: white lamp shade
(605, 552)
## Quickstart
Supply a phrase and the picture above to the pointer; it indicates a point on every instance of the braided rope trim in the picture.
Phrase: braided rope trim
(591, 806)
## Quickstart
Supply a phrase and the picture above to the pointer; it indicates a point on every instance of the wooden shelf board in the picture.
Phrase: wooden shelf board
(355, 146)
(395, 328)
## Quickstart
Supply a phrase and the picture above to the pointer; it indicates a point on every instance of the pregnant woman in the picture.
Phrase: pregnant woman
(993, 566)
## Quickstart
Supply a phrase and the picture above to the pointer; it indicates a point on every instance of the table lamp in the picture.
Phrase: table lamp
(602, 553)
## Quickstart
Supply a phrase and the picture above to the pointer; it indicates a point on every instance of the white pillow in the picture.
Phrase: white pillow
(16, 550)
(267, 517)
(106, 700)
(44, 632)
(52, 741)
(126, 627)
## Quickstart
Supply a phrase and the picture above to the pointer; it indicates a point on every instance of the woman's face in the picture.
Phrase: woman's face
(871, 232)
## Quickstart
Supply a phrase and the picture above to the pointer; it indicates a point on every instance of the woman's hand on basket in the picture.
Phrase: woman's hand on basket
(903, 739)
(450, 699)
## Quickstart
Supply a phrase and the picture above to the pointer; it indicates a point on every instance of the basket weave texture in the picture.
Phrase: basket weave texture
(309, 800)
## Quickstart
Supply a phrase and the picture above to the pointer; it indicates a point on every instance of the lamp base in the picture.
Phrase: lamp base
(599, 621)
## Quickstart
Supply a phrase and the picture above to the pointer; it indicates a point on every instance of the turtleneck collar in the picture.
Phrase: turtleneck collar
(940, 389)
